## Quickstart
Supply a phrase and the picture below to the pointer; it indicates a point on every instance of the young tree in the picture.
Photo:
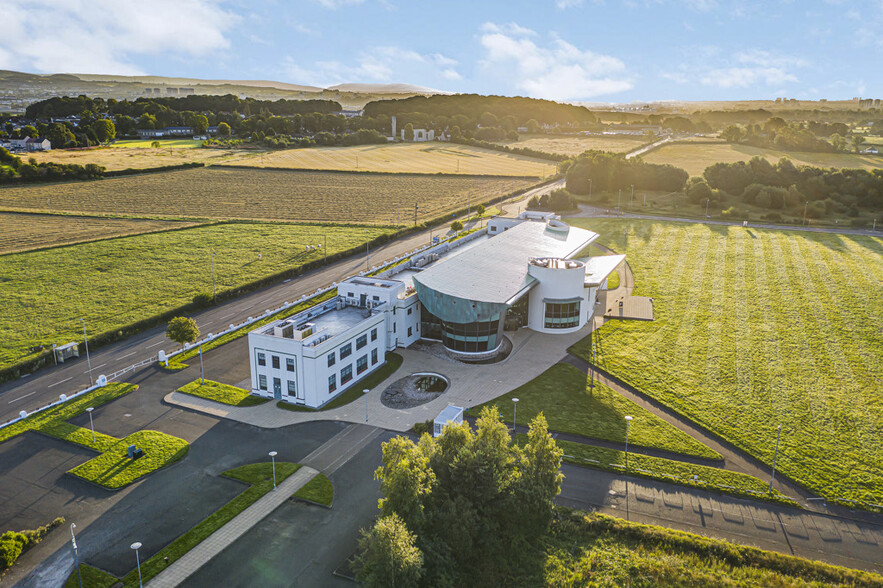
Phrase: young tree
(479, 210)
(456, 226)
(409, 132)
(182, 330)
(389, 555)
(224, 129)
(857, 142)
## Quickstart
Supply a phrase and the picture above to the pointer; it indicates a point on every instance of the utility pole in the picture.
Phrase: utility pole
(805, 204)
(76, 555)
(632, 199)
(325, 249)
(213, 276)
(415, 214)
(367, 253)
(619, 202)
(88, 359)
(707, 201)
(590, 189)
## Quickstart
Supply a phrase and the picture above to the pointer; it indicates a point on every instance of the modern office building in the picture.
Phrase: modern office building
(533, 271)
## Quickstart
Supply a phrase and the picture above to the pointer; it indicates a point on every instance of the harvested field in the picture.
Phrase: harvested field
(22, 232)
(755, 328)
(696, 157)
(116, 157)
(576, 144)
(232, 193)
(118, 282)
(423, 158)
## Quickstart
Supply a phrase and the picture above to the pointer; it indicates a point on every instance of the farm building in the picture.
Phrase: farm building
(521, 272)
(421, 135)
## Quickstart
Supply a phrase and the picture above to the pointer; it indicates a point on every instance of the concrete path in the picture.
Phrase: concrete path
(532, 354)
(194, 559)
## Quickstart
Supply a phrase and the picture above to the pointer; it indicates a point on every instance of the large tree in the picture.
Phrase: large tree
(389, 555)
(104, 130)
(475, 501)
(182, 330)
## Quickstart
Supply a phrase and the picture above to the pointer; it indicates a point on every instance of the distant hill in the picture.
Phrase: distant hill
(196, 82)
(385, 89)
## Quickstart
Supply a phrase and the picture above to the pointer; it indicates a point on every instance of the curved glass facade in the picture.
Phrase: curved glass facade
(562, 315)
(475, 337)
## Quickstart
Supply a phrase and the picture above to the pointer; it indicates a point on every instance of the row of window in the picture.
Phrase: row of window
(347, 350)
(274, 360)
(346, 374)
(277, 385)
(563, 315)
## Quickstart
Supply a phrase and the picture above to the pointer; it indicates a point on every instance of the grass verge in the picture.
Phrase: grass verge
(319, 490)
(177, 362)
(259, 475)
(113, 469)
(562, 394)
(667, 470)
(223, 393)
(374, 379)
(92, 578)
(587, 549)
(47, 420)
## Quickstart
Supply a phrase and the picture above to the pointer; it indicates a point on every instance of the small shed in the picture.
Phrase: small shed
(66, 351)
(451, 414)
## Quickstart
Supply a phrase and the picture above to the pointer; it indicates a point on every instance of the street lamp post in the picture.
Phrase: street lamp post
(367, 253)
(201, 369)
(136, 546)
(805, 204)
(628, 421)
(514, 414)
(88, 359)
(365, 392)
(632, 199)
(213, 276)
(619, 201)
(273, 455)
(91, 426)
(775, 455)
(76, 555)
(707, 201)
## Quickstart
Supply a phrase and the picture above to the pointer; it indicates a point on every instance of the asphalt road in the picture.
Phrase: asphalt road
(44, 386)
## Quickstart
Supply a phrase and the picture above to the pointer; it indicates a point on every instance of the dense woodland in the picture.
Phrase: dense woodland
(601, 171)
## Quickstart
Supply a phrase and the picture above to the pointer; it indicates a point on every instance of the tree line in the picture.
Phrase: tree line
(601, 171)
(12, 170)
(796, 136)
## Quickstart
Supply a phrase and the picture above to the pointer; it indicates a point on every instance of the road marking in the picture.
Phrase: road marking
(20, 397)
(95, 368)
(226, 316)
(154, 345)
(127, 355)
(60, 382)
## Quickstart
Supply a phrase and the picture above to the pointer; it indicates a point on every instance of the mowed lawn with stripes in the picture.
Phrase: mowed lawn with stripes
(756, 328)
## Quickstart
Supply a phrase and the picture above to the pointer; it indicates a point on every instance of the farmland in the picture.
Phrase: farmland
(424, 158)
(20, 232)
(139, 155)
(576, 144)
(756, 328)
(232, 193)
(110, 284)
(695, 157)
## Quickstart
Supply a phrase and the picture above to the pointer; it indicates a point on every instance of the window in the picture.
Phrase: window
(346, 374)
(275, 359)
(292, 388)
(361, 341)
(393, 327)
(262, 359)
(376, 298)
(410, 331)
(562, 315)
(410, 310)
(362, 364)
(332, 383)
(374, 334)
(346, 350)
(350, 295)
(373, 356)
(331, 359)
(289, 364)
(262, 382)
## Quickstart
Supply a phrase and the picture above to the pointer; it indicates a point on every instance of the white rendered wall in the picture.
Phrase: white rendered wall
(560, 284)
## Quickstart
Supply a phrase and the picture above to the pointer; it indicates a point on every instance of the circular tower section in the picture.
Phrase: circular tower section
(558, 300)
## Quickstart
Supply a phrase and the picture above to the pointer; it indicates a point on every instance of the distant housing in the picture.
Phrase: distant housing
(26, 144)
(171, 132)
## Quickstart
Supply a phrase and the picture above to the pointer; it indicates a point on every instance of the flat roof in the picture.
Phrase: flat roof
(600, 267)
(496, 270)
(333, 320)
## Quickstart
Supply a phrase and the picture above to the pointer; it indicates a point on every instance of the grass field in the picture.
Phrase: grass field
(111, 284)
(756, 328)
(424, 158)
(319, 490)
(139, 155)
(113, 469)
(230, 193)
(696, 157)
(576, 144)
(223, 393)
(561, 394)
(92, 578)
(21, 232)
(588, 549)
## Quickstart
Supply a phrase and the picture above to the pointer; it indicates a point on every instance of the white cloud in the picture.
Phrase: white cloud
(744, 77)
(379, 64)
(744, 69)
(102, 36)
(565, 4)
(334, 4)
(557, 71)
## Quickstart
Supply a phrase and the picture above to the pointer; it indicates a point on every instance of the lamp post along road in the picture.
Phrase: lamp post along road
(628, 421)
(91, 425)
(273, 455)
(213, 276)
(201, 369)
(76, 555)
(775, 455)
(365, 392)
(136, 546)
(88, 359)
(514, 414)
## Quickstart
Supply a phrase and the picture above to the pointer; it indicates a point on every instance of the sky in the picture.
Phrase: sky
(573, 50)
